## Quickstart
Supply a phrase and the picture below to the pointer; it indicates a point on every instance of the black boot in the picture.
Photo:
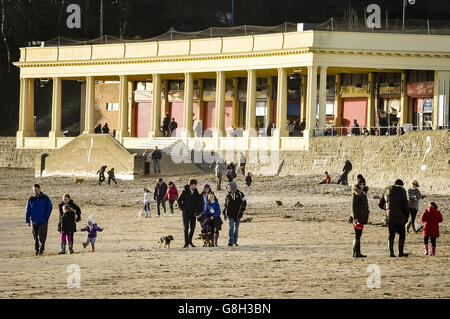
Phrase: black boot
(401, 246)
(63, 249)
(71, 247)
(391, 248)
(357, 248)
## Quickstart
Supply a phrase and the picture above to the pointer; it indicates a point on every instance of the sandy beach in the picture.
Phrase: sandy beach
(284, 252)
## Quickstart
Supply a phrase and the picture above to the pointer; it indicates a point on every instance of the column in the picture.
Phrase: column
(303, 99)
(131, 113)
(56, 113)
(269, 99)
(281, 129)
(371, 102)
(322, 99)
(187, 115)
(235, 121)
(250, 116)
(122, 127)
(156, 107)
(403, 101)
(166, 106)
(89, 110)
(200, 103)
(311, 101)
(338, 104)
(26, 111)
(220, 104)
(441, 99)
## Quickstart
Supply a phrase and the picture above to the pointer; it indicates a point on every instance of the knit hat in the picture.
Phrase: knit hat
(233, 186)
(206, 186)
(399, 182)
(91, 219)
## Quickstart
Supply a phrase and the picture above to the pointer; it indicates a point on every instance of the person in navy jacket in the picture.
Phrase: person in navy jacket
(39, 208)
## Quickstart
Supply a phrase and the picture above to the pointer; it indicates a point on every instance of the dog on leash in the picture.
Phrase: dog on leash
(78, 180)
(207, 239)
(165, 240)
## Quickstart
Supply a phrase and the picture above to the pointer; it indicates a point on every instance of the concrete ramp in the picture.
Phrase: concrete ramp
(85, 155)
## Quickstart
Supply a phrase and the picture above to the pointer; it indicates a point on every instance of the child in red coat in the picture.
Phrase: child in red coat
(172, 196)
(431, 218)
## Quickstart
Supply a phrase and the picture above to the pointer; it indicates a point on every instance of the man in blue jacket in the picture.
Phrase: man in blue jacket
(39, 208)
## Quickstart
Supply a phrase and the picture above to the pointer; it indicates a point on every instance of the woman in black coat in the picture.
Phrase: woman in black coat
(360, 210)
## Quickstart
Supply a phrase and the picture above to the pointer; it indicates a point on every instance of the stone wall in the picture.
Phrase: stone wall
(381, 159)
(12, 157)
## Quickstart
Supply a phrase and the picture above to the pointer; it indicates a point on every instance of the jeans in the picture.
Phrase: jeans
(219, 182)
(147, 207)
(234, 230)
(158, 203)
(40, 235)
(147, 168)
(189, 227)
(156, 166)
(171, 206)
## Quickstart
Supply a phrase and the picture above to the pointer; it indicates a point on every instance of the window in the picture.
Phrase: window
(112, 106)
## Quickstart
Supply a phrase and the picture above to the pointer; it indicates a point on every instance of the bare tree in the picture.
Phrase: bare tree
(2, 29)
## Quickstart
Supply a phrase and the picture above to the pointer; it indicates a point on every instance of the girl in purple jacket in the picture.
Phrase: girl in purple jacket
(92, 228)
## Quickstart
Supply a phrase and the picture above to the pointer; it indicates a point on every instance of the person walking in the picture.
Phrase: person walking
(147, 159)
(248, 179)
(216, 221)
(101, 174)
(38, 210)
(235, 205)
(414, 196)
(147, 209)
(74, 207)
(360, 214)
(68, 228)
(242, 161)
(171, 196)
(159, 196)
(111, 176)
(395, 201)
(173, 127)
(356, 130)
(431, 218)
(219, 173)
(156, 158)
(190, 203)
(343, 178)
(166, 124)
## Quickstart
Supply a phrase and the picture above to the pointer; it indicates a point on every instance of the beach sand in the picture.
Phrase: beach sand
(284, 252)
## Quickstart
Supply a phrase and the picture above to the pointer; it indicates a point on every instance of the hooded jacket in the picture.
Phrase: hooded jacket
(395, 201)
(68, 224)
(172, 193)
(39, 209)
(74, 207)
(190, 203)
(235, 203)
(431, 218)
(360, 205)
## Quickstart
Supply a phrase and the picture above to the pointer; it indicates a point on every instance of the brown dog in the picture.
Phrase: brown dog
(207, 239)
(165, 240)
(78, 180)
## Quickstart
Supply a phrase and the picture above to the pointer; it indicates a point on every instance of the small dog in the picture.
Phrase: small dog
(279, 203)
(207, 239)
(165, 240)
(78, 180)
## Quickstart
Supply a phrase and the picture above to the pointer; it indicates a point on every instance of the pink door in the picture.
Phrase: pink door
(209, 116)
(354, 109)
(143, 118)
(228, 114)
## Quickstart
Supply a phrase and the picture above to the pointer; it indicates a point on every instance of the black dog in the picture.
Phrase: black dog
(165, 240)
